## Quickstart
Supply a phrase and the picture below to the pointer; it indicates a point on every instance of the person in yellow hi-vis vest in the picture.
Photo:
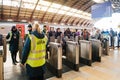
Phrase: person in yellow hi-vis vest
(33, 54)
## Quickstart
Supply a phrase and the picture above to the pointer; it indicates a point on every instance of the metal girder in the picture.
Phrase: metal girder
(89, 7)
(78, 8)
(68, 19)
(46, 11)
(72, 21)
(2, 11)
(85, 4)
(34, 10)
(76, 21)
(84, 22)
(19, 10)
(25, 12)
(10, 10)
(80, 21)
(56, 13)
(87, 23)
(70, 6)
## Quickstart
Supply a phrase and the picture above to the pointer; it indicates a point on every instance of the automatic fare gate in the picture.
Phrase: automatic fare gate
(54, 62)
(85, 52)
(72, 55)
(2, 57)
(96, 50)
(105, 46)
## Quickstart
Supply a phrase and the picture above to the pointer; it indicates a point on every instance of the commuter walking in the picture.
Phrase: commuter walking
(44, 29)
(51, 35)
(118, 39)
(85, 34)
(58, 33)
(13, 37)
(98, 35)
(29, 30)
(34, 53)
(112, 35)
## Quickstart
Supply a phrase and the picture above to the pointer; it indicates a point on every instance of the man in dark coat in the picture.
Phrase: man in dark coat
(13, 37)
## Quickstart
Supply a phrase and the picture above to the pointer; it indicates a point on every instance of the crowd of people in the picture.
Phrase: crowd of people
(37, 41)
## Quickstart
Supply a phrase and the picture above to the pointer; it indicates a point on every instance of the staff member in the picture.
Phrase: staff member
(30, 28)
(13, 37)
(29, 31)
(34, 54)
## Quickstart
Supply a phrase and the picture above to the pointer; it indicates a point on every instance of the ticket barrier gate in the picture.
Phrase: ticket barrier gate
(3, 55)
(1, 64)
(72, 55)
(85, 52)
(77, 38)
(21, 45)
(105, 47)
(54, 62)
(96, 50)
(52, 39)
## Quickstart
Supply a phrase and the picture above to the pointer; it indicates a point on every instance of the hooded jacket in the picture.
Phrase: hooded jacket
(25, 53)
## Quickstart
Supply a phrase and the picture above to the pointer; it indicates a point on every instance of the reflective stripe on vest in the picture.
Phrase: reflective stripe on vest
(34, 51)
(36, 56)
(10, 36)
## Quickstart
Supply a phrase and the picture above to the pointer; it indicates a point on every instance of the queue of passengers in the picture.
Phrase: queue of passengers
(37, 40)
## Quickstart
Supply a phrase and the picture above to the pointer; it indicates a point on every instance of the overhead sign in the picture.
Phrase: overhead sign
(101, 10)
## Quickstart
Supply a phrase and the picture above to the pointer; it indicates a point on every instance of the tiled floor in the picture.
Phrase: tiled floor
(108, 69)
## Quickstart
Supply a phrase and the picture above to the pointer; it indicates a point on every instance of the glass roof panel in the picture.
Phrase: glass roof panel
(7, 2)
(30, 1)
(73, 10)
(28, 5)
(61, 12)
(55, 5)
(15, 3)
(65, 8)
(44, 3)
(76, 15)
(44, 8)
(53, 10)
(38, 7)
(69, 13)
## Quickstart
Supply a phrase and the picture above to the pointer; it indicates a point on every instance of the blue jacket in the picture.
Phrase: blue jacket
(30, 70)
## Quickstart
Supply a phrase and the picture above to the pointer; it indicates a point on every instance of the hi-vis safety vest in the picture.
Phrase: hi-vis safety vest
(37, 54)
(10, 33)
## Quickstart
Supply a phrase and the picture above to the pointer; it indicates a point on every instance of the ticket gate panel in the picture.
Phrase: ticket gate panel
(4, 49)
(54, 63)
(77, 38)
(1, 64)
(72, 55)
(96, 50)
(85, 52)
(105, 47)
(52, 39)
